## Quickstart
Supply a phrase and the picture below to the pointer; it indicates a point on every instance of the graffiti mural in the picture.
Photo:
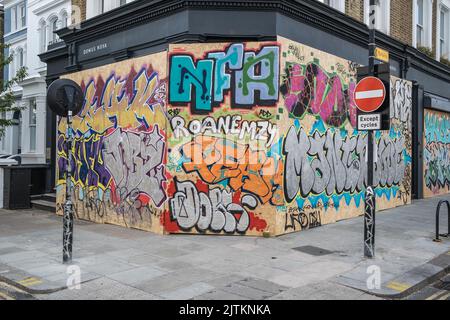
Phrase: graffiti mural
(325, 157)
(246, 138)
(250, 75)
(310, 89)
(120, 145)
(216, 209)
(436, 153)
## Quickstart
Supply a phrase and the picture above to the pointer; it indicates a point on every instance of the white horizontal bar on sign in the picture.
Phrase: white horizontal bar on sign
(369, 94)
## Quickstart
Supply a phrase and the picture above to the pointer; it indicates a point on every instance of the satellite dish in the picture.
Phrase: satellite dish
(64, 95)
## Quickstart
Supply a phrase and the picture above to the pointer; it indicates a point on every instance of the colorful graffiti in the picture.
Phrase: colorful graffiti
(118, 168)
(213, 209)
(310, 89)
(250, 75)
(325, 158)
(436, 153)
(334, 162)
(210, 146)
(134, 160)
(218, 160)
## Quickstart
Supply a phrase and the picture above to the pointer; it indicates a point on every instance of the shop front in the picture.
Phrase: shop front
(231, 132)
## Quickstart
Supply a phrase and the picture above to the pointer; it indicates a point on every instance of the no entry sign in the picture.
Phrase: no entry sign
(370, 94)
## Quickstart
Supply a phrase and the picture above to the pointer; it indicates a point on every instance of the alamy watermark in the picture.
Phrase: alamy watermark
(374, 280)
(74, 279)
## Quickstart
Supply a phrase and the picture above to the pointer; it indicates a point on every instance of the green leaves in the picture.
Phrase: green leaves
(7, 99)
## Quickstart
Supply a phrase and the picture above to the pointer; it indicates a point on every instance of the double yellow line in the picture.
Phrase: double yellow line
(28, 282)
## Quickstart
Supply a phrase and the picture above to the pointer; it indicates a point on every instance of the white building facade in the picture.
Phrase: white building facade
(29, 30)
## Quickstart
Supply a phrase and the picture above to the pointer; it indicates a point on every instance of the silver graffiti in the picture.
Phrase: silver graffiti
(134, 160)
(401, 101)
(332, 164)
(214, 211)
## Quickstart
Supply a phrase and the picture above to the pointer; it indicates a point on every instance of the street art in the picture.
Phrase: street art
(250, 138)
(310, 89)
(214, 209)
(297, 219)
(135, 162)
(218, 160)
(119, 144)
(330, 164)
(401, 101)
(228, 125)
(436, 153)
(250, 75)
(325, 157)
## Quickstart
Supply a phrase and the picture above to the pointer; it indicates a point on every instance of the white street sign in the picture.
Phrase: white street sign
(369, 121)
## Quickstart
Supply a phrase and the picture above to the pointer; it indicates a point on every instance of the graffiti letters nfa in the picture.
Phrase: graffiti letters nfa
(251, 76)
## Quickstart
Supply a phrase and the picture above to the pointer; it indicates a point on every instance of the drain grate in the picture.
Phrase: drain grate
(314, 251)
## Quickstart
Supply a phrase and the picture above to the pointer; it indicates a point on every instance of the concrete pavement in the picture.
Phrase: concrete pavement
(322, 263)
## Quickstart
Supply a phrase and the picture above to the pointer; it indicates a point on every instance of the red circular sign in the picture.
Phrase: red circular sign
(370, 94)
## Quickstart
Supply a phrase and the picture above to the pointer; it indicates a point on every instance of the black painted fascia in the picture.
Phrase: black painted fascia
(313, 12)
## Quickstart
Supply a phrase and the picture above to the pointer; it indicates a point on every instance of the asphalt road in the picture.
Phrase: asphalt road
(440, 290)
(8, 292)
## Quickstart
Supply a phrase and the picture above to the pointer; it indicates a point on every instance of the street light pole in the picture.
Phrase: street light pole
(369, 215)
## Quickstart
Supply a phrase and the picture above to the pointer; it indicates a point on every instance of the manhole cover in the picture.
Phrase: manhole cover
(314, 251)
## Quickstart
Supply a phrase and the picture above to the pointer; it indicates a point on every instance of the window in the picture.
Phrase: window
(422, 28)
(337, 4)
(3, 117)
(13, 19)
(97, 7)
(53, 26)
(443, 31)
(32, 125)
(12, 69)
(23, 15)
(43, 36)
(420, 33)
(64, 19)
(18, 17)
(382, 15)
(21, 59)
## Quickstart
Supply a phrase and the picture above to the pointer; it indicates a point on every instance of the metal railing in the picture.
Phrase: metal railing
(438, 211)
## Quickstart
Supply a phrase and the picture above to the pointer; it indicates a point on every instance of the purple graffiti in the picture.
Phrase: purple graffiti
(310, 89)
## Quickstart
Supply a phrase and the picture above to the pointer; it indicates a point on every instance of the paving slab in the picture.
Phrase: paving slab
(132, 263)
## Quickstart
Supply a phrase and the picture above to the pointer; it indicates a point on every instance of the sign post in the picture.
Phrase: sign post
(65, 98)
(369, 205)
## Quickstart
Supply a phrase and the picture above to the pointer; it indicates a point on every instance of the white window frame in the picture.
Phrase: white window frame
(383, 15)
(427, 23)
(51, 36)
(97, 7)
(42, 36)
(336, 4)
(22, 15)
(32, 124)
(443, 5)
(14, 16)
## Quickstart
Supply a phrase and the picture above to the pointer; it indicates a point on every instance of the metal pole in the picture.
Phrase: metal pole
(369, 215)
(68, 206)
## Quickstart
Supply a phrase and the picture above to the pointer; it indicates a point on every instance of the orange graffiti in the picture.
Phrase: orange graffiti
(218, 159)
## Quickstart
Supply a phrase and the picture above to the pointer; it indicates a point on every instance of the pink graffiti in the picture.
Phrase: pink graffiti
(310, 89)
